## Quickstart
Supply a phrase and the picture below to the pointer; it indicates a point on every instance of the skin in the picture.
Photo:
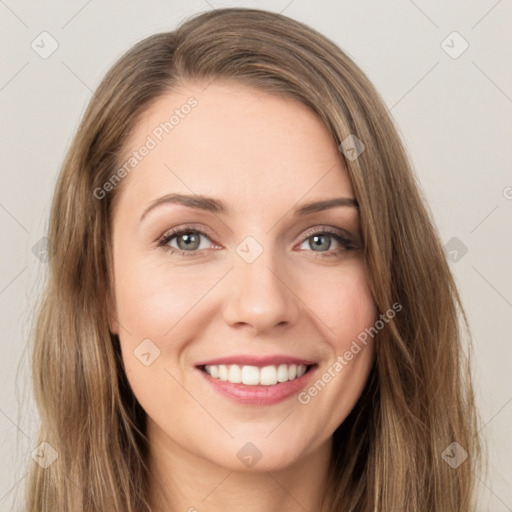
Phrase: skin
(263, 156)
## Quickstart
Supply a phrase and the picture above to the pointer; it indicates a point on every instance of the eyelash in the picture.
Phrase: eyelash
(176, 232)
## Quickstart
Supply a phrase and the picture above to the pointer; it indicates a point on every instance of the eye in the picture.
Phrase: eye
(186, 240)
(321, 241)
(190, 241)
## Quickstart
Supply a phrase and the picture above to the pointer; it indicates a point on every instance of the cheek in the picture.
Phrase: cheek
(344, 304)
(346, 309)
(151, 299)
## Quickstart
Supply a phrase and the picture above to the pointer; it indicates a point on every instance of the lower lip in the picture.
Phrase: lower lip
(259, 395)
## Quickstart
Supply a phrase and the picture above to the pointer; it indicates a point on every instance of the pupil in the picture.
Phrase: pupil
(317, 240)
(190, 241)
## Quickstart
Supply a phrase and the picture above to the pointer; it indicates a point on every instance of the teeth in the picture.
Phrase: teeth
(253, 375)
(214, 371)
(268, 375)
(234, 374)
(250, 375)
(223, 372)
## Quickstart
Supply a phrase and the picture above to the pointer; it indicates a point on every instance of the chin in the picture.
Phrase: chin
(256, 454)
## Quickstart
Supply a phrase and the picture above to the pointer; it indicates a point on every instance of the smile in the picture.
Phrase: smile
(257, 380)
(254, 376)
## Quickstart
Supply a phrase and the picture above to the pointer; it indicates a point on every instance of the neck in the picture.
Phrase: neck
(191, 483)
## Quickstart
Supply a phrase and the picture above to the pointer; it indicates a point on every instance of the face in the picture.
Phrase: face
(236, 303)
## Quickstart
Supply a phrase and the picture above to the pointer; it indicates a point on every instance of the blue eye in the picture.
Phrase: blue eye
(322, 241)
(319, 241)
(188, 241)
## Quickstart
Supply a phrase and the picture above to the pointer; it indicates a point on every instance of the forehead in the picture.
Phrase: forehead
(236, 142)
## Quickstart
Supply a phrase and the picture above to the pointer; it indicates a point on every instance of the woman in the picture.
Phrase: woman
(248, 306)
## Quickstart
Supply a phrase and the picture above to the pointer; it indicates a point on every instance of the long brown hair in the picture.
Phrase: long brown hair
(390, 452)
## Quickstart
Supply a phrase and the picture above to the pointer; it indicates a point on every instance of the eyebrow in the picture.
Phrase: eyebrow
(213, 205)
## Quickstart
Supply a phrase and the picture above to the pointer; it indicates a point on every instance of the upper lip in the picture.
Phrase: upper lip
(260, 361)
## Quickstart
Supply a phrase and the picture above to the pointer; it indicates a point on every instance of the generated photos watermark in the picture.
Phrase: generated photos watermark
(343, 360)
(156, 136)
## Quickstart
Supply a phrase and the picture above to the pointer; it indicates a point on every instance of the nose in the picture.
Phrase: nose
(261, 295)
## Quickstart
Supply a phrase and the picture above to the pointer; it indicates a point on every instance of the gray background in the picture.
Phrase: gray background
(453, 112)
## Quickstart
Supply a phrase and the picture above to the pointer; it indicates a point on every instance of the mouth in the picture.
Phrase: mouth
(257, 381)
(250, 375)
